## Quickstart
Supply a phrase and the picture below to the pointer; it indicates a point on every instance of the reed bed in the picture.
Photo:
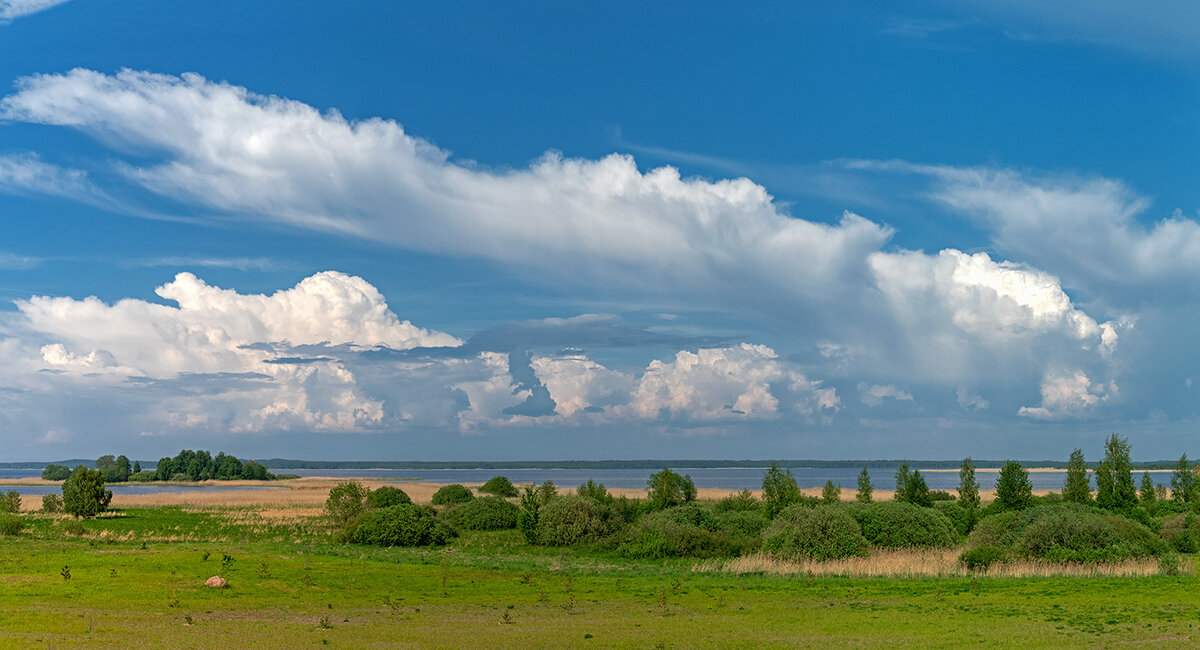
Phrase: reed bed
(922, 563)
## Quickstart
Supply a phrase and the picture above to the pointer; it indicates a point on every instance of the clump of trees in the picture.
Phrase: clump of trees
(202, 466)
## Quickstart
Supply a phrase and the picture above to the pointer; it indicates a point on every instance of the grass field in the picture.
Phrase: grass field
(136, 577)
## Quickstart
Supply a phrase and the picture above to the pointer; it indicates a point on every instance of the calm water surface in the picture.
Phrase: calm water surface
(735, 478)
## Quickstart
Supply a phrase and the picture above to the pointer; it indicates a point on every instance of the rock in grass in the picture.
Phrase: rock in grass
(217, 582)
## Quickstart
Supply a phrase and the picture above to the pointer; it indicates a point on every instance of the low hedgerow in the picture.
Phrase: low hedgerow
(387, 496)
(1066, 532)
(403, 525)
(568, 520)
(896, 524)
(484, 513)
(799, 531)
(453, 493)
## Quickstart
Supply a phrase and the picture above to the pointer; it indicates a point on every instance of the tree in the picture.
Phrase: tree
(666, 489)
(1078, 487)
(84, 494)
(1013, 489)
(911, 487)
(594, 491)
(831, 493)
(1146, 493)
(137, 467)
(968, 487)
(1114, 477)
(1183, 481)
(864, 487)
(346, 503)
(779, 490)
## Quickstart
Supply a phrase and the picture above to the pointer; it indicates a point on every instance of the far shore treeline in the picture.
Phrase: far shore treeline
(187, 465)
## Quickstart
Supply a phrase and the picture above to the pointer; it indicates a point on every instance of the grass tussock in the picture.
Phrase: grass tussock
(924, 563)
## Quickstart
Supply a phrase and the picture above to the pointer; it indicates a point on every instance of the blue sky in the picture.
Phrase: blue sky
(686, 230)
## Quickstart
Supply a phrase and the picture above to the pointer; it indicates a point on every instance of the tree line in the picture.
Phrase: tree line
(187, 465)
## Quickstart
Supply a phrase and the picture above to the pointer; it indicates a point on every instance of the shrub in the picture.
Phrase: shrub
(56, 472)
(485, 513)
(404, 525)
(51, 503)
(499, 486)
(681, 532)
(743, 523)
(941, 495)
(84, 494)
(180, 478)
(142, 477)
(346, 503)
(817, 533)
(453, 493)
(895, 524)
(982, 557)
(386, 496)
(831, 493)
(961, 520)
(594, 491)
(10, 524)
(10, 502)
(738, 502)
(1182, 532)
(666, 489)
(1066, 532)
(572, 520)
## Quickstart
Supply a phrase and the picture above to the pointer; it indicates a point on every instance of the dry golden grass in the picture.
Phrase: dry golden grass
(922, 563)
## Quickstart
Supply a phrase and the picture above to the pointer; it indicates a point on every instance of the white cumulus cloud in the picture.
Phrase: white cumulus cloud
(1069, 394)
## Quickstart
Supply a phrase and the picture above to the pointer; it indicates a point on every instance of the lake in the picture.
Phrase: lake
(728, 478)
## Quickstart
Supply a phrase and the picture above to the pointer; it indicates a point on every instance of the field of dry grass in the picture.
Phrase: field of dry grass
(922, 563)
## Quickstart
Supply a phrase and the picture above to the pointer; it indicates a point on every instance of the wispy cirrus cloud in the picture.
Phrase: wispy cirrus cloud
(10, 9)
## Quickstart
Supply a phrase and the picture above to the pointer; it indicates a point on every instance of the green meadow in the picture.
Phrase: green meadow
(136, 576)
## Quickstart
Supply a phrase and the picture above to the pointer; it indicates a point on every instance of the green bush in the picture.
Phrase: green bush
(10, 502)
(346, 503)
(738, 502)
(982, 557)
(961, 520)
(403, 525)
(484, 513)
(817, 533)
(897, 524)
(142, 477)
(679, 532)
(453, 493)
(743, 523)
(11, 524)
(690, 515)
(386, 496)
(499, 486)
(1182, 532)
(594, 491)
(573, 520)
(1066, 532)
(941, 495)
(666, 489)
(51, 503)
